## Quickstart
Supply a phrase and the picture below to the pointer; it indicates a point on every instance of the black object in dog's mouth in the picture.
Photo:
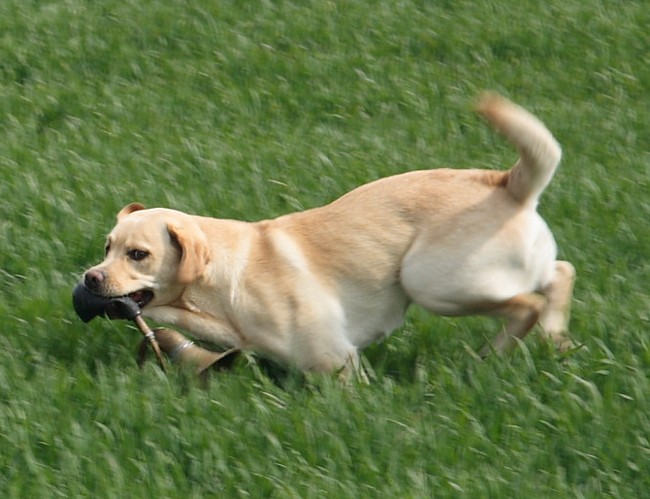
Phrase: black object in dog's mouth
(89, 305)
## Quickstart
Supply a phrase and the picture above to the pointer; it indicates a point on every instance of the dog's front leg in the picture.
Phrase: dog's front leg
(201, 325)
(353, 369)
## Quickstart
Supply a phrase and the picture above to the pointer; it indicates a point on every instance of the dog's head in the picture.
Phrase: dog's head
(151, 255)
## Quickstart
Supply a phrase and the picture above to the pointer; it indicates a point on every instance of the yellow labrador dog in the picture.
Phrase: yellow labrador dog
(313, 288)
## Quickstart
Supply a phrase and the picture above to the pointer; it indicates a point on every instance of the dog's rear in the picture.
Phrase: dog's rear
(539, 156)
(496, 256)
(539, 152)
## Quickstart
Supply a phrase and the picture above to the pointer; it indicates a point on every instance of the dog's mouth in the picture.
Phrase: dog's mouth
(141, 297)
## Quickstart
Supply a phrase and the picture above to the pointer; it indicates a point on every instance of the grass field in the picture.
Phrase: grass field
(253, 109)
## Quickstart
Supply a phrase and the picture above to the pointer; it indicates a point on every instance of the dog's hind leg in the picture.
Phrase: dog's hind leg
(555, 317)
(521, 313)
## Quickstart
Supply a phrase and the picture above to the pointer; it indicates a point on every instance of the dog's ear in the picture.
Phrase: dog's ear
(128, 209)
(195, 253)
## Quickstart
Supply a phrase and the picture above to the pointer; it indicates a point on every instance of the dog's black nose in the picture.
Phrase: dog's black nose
(94, 279)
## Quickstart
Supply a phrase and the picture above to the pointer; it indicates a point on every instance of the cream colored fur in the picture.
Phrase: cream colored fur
(313, 288)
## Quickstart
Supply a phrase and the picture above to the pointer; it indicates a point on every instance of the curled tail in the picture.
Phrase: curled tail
(539, 152)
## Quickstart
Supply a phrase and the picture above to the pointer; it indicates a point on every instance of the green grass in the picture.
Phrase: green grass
(253, 109)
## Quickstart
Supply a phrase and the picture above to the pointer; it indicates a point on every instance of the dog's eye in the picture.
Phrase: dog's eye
(137, 255)
(107, 249)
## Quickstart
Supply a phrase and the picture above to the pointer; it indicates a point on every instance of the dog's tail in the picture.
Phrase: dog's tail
(539, 152)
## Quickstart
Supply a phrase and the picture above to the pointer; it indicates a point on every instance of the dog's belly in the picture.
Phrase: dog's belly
(373, 315)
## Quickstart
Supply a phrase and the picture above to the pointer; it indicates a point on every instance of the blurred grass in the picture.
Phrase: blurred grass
(253, 109)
